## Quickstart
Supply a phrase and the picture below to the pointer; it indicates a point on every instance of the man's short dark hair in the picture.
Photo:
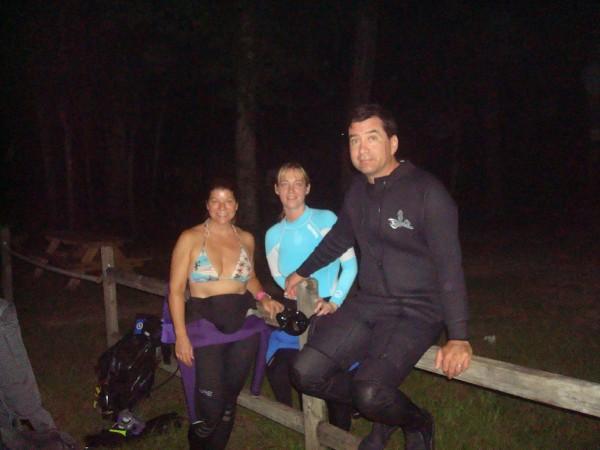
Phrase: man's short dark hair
(367, 110)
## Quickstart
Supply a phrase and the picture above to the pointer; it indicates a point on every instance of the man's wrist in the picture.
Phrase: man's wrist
(298, 273)
(457, 331)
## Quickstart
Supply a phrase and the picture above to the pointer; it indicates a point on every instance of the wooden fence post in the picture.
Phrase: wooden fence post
(314, 409)
(7, 287)
(109, 287)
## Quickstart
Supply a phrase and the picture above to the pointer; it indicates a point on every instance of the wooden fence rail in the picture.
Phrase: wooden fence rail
(69, 273)
(537, 385)
(532, 384)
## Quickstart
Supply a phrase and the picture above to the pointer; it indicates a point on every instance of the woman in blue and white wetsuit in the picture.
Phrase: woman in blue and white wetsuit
(216, 259)
(288, 243)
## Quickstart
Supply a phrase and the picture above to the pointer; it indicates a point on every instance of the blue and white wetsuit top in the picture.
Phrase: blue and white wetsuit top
(288, 244)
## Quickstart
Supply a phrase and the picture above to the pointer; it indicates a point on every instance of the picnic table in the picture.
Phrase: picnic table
(80, 251)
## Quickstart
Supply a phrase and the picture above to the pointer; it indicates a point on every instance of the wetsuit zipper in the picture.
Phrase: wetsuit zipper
(380, 238)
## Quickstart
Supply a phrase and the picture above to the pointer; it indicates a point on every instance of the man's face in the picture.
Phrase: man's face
(291, 188)
(371, 149)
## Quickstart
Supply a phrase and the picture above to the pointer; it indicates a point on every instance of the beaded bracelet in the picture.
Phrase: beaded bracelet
(260, 296)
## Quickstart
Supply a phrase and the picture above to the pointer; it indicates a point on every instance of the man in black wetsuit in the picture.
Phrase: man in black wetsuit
(411, 286)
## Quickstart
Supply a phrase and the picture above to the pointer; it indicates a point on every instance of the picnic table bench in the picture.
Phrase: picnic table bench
(80, 251)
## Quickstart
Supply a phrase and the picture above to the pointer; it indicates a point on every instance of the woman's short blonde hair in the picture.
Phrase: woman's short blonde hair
(292, 166)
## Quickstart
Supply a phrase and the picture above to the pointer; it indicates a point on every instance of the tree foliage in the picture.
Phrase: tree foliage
(150, 98)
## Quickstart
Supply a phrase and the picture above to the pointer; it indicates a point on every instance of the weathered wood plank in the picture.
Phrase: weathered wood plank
(109, 288)
(275, 411)
(140, 282)
(329, 435)
(271, 409)
(334, 437)
(538, 385)
(314, 409)
(544, 387)
(41, 263)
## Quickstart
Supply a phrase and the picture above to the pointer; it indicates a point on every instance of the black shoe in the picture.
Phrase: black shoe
(422, 438)
(378, 437)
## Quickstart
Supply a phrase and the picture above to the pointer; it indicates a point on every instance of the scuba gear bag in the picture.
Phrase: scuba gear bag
(126, 370)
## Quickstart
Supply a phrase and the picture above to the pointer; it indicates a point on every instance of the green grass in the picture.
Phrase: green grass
(537, 295)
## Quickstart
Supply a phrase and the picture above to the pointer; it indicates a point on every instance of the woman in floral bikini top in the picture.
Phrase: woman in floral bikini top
(216, 258)
(203, 269)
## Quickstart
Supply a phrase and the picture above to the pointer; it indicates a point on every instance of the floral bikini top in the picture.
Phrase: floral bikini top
(203, 270)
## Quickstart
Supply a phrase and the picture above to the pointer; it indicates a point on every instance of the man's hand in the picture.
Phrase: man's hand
(290, 285)
(454, 358)
(323, 308)
(271, 307)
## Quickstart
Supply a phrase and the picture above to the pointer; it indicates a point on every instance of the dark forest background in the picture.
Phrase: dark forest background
(115, 114)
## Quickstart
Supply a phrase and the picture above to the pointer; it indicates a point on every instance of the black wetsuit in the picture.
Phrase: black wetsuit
(411, 285)
(221, 370)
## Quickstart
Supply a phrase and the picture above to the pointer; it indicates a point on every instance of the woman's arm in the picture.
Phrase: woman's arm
(254, 285)
(180, 262)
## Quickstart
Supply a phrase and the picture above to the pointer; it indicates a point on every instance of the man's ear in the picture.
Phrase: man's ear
(394, 143)
(276, 189)
(307, 189)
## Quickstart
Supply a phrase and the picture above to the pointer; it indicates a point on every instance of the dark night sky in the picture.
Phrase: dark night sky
(443, 69)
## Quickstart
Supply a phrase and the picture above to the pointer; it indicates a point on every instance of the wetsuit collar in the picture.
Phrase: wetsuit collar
(300, 221)
(404, 168)
(381, 183)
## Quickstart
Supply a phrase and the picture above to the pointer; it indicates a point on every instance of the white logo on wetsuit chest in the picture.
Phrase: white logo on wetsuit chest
(400, 222)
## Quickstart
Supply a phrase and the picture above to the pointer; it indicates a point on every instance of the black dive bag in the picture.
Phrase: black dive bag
(126, 370)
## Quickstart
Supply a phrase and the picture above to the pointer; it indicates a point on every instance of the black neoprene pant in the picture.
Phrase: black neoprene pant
(387, 337)
(221, 370)
(278, 374)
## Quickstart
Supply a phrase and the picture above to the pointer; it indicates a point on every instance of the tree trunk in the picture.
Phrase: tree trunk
(115, 168)
(365, 44)
(87, 102)
(245, 135)
(69, 172)
(591, 81)
(156, 153)
(456, 142)
(492, 137)
(131, 183)
(44, 121)
(87, 160)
